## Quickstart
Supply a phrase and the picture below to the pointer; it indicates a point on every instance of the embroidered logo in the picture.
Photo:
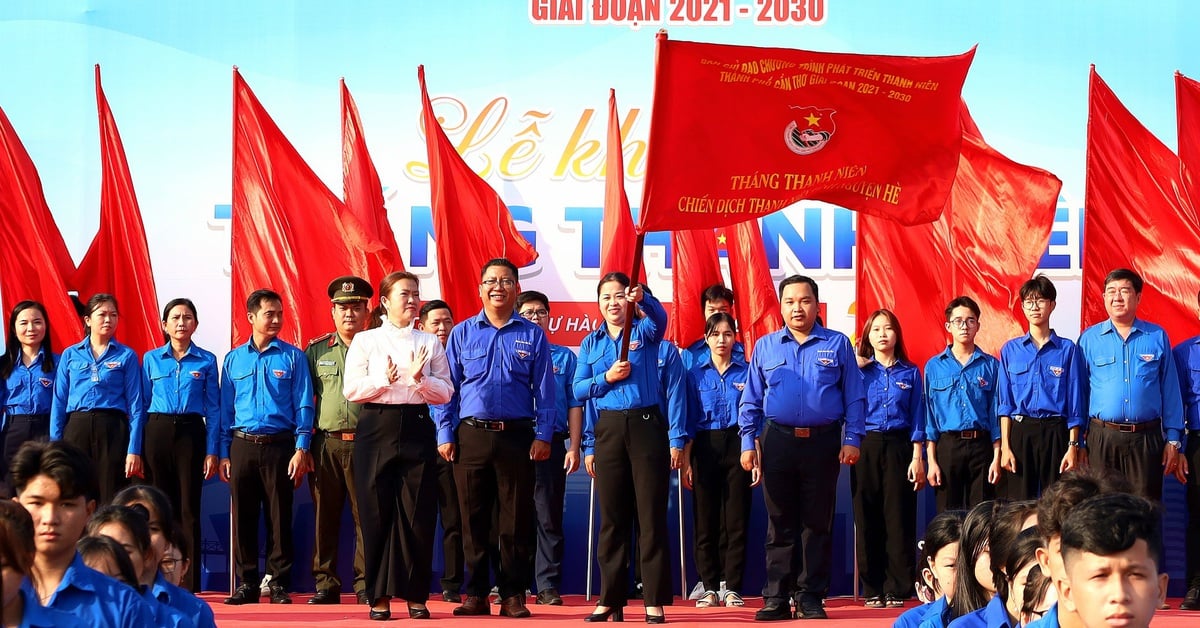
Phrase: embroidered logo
(279, 373)
(112, 364)
(557, 370)
(810, 130)
(634, 344)
(825, 361)
(522, 342)
(740, 386)
(45, 382)
(903, 385)
(196, 374)
(1056, 371)
(521, 353)
(982, 382)
(1147, 357)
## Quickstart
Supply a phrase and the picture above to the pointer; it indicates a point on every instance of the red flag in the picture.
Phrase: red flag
(118, 261)
(619, 238)
(987, 242)
(470, 222)
(1137, 217)
(755, 299)
(695, 267)
(737, 132)
(34, 262)
(363, 194)
(1187, 106)
(290, 233)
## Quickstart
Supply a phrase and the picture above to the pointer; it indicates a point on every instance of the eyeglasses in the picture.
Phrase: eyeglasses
(532, 314)
(169, 564)
(1034, 304)
(506, 282)
(964, 323)
(1112, 292)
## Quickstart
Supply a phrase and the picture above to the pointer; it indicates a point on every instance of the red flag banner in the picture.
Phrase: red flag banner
(619, 238)
(737, 132)
(290, 233)
(470, 222)
(1137, 217)
(34, 261)
(989, 240)
(118, 261)
(696, 267)
(755, 299)
(1187, 107)
(363, 195)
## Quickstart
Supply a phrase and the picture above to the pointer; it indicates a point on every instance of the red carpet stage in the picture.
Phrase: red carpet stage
(843, 613)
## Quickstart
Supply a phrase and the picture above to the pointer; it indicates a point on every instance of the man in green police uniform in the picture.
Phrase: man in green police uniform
(332, 480)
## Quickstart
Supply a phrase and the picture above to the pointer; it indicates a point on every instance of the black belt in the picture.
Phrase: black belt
(177, 419)
(342, 435)
(804, 432)
(263, 439)
(99, 412)
(500, 426)
(1129, 428)
(30, 418)
(902, 433)
(1021, 418)
(644, 412)
(969, 434)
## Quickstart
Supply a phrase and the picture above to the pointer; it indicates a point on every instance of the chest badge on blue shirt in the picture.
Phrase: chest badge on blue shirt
(112, 364)
(1056, 371)
(195, 374)
(521, 353)
(278, 373)
(1146, 357)
(982, 382)
(45, 382)
(634, 344)
(825, 361)
(557, 370)
(740, 386)
(903, 385)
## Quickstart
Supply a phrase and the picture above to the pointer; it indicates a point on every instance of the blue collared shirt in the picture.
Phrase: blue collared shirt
(959, 397)
(911, 618)
(1132, 380)
(599, 351)
(111, 382)
(563, 361)
(34, 615)
(185, 386)
(1187, 366)
(1041, 382)
(96, 599)
(266, 393)
(994, 615)
(500, 374)
(939, 614)
(699, 353)
(895, 398)
(164, 615)
(1049, 620)
(803, 385)
(197, 611)
(719, 394)
(28, 389)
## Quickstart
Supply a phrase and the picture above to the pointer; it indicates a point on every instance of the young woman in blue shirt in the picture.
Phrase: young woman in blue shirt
(27, 371)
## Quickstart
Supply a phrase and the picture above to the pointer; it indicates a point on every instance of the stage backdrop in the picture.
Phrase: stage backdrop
(521, 87)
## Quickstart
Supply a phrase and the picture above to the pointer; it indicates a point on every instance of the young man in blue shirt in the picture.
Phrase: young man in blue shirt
(962, 435)
(715, 298)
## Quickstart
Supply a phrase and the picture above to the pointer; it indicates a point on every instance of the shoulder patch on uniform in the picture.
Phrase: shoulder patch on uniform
(321, 338)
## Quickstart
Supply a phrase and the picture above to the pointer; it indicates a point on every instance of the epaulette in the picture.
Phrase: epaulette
(322, 338)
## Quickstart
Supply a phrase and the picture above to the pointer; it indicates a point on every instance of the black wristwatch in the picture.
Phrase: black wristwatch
(1078, 444)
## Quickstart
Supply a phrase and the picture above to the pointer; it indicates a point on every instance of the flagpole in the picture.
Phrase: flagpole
(631, 308)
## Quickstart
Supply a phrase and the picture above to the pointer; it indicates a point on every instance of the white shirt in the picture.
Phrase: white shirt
(366, 378)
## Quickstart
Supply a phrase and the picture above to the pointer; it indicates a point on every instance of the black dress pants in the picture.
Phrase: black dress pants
(964, 463)
(259, 482)
(1039, 446)
(452, 541)
(1136, 455)
(720, 507)
(18, 429)
(1192, 568)
(885, 514)
(104, 436)
(174, 449)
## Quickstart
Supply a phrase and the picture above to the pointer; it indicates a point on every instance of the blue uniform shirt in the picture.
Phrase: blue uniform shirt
(699, 353)
(1041, 382)
(599, 351)
(34, 615)
(938, 615)
(719, 394)
(164, 615)
(266, 393)
(803, 385)
(1187, 366)
(563, 361)
(994, 615)
(196, 611)
(676, 397)
(961, 397)
(1132, 380)
(1049, 620)
(185, 386)
(111, 382)
(28, 389)
(911, 618)
(96, 599)
(500, 374)
(895, 399)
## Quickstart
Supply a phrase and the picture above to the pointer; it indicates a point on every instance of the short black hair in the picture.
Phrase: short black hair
(716, 319)
(533, 295)
(159, 505)
(134, 518)
(90, 546)
(792, 279)
(1039, 286)
(1108, 524)
(429, 306)
(1075, 486)
(257, 298)
(944, 529)
(501, 261)
(963, 301)
(1120, 274)
(1002, 539)
(67, 465)
(716, 292)
(616, 276)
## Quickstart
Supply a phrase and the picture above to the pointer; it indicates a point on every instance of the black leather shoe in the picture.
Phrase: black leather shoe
(1191, 601)
(418, 612)
(773, 611)
(324, 596)
(474, 605)
(361, 597)
(661, 618)
(279, 595)
(514, 606)
(245, 594)
(617, 613)
(383, 615)
(549, 597)
(810, 609)
(454, 597)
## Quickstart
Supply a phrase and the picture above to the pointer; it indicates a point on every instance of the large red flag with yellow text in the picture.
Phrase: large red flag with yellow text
(470, 222)
(695, 267)
(755, 299)
(118, 261)
(987, 242)
(737, 132)
(363, 195)
(290, 233)
(34, 261)
(619, 237)
(1137, 217)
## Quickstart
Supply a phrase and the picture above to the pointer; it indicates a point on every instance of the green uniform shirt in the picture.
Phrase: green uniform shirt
(327, 363)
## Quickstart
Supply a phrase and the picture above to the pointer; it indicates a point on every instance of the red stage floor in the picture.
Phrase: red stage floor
(843, 613)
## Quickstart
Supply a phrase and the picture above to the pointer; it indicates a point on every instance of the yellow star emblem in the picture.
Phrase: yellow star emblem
(813, 119)
(721, 239)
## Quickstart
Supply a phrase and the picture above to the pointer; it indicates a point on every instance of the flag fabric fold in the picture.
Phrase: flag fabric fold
(290, 233)
(987, 242)
(1137, 216)
(471, 223)
(362, 195)
(1187, 111)
(34, 261)
(737, 132)
(118, 260)
(755, 300)
(619, 238)
(696, 267)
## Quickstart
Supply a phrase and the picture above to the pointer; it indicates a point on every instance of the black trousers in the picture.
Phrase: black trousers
(396, 480)
(332, 484)
(800, 491)
(18, 429)
(549, 491)
(174, 449)
(1192, 569)
(1039, 446)
(451, 519)
(1137, 455)
(633, 468)
(885, 514)
(259, 483)
(104, 436)
(964, 464)
(494, 470)
(720, 508)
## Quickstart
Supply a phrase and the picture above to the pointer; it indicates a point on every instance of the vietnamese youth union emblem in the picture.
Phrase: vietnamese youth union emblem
(810, 130)
(1056, 371)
